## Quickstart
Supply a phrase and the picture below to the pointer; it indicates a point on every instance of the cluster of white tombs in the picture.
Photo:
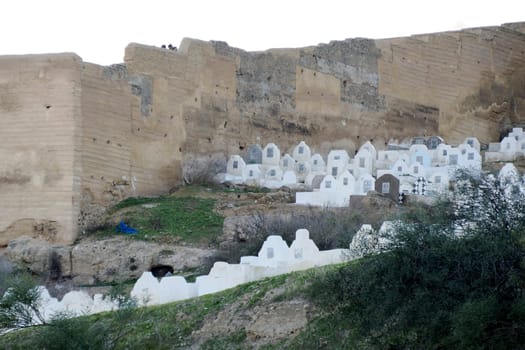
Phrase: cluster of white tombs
(424, 167)
(274, 258)
(420, 169)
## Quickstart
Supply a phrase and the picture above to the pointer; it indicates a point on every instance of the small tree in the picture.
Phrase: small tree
(489, 205)
(20, 305)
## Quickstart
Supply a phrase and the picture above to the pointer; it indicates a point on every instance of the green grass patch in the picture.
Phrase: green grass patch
(191, 219)
(168, 326)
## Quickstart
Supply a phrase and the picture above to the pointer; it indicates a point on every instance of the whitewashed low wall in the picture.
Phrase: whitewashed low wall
(274, 258)
(500, 157)
(75, 303)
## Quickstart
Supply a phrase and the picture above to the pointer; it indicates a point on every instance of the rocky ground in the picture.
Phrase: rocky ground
(96, 261)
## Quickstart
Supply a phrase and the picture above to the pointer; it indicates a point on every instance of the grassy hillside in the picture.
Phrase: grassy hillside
(433, 291)
(168, 326)
(187, 215)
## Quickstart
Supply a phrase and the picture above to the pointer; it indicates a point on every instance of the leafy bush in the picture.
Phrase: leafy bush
(19, 305)
(203, 170)
(435, 289)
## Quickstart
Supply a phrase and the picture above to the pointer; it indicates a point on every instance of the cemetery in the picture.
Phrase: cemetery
(402, 169)
(510, 147)
(275, 257)
(423, 167)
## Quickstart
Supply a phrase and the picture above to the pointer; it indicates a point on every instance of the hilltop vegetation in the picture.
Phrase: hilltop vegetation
(432, 289)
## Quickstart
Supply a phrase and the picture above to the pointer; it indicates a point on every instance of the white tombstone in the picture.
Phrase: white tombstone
(271, 155)
(273, 177)
(454, 155)
(235, 166)
(144, 290)
(508, 174)
(305, 253)
(509, 145)
(400, 168)
(439, 182)
(328, 184)
(337, 162)
(417, 170)
(517, 134)
(317, 164)
(470, 159)
(345, 182)
(273, 250)
(254, 155)
(370, 148)
(417, 148)
(442, 154)
(420, 154)
(287, 163)
(273, 173)
(473, 142)
(302, 169)
(364, 160)
(289, 178)
(252, 174)
(77, 303)
(365, 184)
(302, 152)
(235, 169)
(385, 159)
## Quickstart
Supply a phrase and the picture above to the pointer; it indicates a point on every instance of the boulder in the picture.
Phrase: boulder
(107, 260)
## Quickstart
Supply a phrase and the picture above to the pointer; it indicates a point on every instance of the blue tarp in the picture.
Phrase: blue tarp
(122, 227)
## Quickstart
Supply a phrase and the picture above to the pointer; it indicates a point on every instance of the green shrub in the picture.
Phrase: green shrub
(433, 289)
(19, 305)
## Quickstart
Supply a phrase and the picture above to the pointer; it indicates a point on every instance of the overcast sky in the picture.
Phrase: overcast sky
(99, 30)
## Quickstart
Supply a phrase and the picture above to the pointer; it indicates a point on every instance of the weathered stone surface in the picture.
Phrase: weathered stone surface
(41, 257)
(103, 261)
(40, 115)
(69, 127)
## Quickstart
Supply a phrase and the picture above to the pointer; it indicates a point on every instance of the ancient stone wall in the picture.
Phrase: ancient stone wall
(474, 78)
(106, 143)
(40, 116)
(78, 137)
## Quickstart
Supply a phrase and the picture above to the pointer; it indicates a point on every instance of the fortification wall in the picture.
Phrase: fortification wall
(106, 144)
(473, 77)
(343, 93)
(136, 128)
(40, 116)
